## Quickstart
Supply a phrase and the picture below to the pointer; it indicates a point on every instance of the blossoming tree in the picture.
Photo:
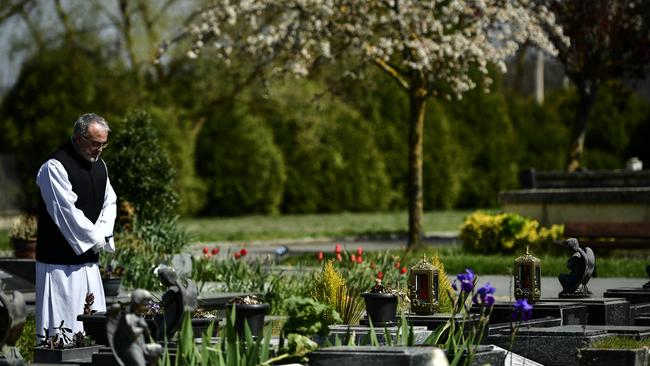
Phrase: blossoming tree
(427, 47)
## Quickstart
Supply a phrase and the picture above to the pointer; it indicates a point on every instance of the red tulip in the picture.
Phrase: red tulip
(359, 251)
(337, 249)
(359, 259)
(215, 250)
(397, 265)
(403, 271)
(339, 257)
(320, 256)
(353, 258)
(205, 250)
(243, 252)
(380, 275)
(237, 255)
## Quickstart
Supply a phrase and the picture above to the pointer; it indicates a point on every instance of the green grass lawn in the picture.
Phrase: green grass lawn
(317, 225)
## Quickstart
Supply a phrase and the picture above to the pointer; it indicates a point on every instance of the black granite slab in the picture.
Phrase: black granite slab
(600, 311)
(569, 312)
(634, 295)
(376, 356)
(361, 334)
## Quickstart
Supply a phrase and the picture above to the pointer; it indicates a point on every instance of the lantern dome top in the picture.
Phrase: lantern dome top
(423, 264)
(527, 258)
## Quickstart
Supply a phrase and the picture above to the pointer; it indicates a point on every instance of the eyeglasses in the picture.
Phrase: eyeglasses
(96, 144)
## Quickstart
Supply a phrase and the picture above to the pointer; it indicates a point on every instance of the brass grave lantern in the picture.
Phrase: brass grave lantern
(528, 277)
(423, 288)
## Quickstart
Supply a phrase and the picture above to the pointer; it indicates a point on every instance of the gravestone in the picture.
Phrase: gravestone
(361, 334)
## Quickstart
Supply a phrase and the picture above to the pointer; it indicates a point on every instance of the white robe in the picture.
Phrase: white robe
(61, 288)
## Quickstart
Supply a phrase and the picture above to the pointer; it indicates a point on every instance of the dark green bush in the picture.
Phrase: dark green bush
(140, 169)
(241, 165)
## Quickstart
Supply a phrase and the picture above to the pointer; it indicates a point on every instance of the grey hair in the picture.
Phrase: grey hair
(81, 124)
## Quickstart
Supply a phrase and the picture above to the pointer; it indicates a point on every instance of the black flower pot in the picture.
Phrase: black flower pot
(111, 286)
(253, 314)
(381, 308)
(95, 326)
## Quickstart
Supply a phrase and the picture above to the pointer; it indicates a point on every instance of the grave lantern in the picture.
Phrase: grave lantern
(528, 277)
(423, 288)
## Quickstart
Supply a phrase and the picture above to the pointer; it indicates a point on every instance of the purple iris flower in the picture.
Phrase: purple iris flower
(522, 311)
(484, 296)
(466, 281)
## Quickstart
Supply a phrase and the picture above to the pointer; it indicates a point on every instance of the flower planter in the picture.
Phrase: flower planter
(381, 308)
(95, 326)
(24, 248)
(200, 326)
(111, 286)
(46, 355)
(607, 357)
(253, 314)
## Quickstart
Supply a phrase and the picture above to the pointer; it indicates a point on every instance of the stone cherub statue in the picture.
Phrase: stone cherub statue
(582, 264)
(13, 313)
(180, 296)
(128, 333)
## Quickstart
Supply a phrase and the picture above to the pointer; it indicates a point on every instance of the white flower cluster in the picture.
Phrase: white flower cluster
(439, 40)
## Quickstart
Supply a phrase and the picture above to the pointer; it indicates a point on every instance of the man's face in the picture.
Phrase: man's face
(95, 141)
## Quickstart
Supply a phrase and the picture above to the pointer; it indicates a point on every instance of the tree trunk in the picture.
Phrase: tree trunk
(586, 100)
(417, 103)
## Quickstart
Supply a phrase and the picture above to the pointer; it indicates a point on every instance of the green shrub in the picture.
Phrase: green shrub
(27, 339)
(309, 317)
(141, 249)
(333, 162)
(505, 233)
(243, 168)
(140, 169)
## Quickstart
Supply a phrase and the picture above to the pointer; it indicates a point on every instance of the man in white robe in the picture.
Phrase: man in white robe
(76, 219)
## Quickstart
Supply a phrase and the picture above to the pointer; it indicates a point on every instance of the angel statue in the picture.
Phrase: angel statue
(582, 264)
(128, 333)
(179, 297)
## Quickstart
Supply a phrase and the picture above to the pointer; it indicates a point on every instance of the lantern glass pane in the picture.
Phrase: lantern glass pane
(538, 276)
(524, 275)
(422, 286)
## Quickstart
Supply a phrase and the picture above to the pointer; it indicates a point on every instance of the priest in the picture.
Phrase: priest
(75, 223)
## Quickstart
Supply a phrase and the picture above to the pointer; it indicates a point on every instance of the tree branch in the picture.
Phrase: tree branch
(393, 72)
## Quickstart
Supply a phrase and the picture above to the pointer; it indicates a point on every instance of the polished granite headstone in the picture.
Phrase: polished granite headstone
(569, 312)
(600, 311)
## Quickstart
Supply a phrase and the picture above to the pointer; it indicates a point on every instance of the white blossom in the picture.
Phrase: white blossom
(442, 39)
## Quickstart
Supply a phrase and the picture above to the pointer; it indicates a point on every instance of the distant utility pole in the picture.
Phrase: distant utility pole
(539, 78)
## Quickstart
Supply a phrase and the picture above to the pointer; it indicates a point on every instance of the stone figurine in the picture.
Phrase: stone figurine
(13, 313)
(582, 264)
(128, 333)
(178, 298)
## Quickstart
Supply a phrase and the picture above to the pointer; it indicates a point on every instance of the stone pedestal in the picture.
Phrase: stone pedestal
(569, 312)
(600, 311)
(634, 295)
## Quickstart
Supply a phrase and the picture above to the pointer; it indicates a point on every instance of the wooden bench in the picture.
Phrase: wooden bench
(610, 235)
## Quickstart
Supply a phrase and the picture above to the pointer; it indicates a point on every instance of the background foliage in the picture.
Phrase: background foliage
(299, 146)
